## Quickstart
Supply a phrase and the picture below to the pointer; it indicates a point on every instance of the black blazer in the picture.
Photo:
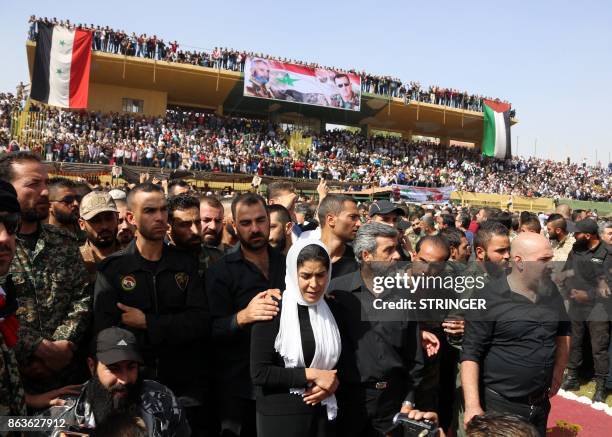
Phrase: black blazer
(271, 379)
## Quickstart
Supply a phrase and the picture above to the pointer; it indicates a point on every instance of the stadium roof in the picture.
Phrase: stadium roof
(201, 87)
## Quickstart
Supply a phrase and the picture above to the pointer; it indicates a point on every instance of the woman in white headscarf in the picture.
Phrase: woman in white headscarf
(293, 356)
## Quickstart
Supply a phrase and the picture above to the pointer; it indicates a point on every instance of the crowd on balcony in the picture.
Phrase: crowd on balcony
(152, 46)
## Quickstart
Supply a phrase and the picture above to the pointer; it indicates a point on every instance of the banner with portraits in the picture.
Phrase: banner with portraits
(275, 80)
(410, 193)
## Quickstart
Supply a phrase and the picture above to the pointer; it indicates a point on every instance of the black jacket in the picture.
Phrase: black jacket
(176, 309)
(373, 350)
(231, 283)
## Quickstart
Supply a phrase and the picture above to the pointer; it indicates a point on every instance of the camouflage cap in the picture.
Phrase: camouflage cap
(96, 202)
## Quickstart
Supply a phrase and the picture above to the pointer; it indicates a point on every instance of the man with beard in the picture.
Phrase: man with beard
(280, 228)
(259, 79)
(185, 230)
(50, 281)
(240, 288)
(99, 222)
(561, 240)
(154, 290)
(125, 230)
(492, 251)
(381, 360)
(515, 350)
(339, 219)
(591, 262)
(116, 387)
(64, 206)
(212, 214)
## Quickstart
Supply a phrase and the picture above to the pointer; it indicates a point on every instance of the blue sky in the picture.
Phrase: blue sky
(552, 60)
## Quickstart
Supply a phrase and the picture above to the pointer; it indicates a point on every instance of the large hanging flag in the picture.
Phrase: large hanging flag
(496, 132)
(61, 66)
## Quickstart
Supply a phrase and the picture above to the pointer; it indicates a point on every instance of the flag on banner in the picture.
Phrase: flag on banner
(270, 79)
(61, 66)
(496, 132)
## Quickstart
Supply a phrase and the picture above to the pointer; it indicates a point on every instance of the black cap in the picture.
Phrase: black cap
(587, 226)
(8, 198)
(384, 207)
(116, 344)
(403, 224)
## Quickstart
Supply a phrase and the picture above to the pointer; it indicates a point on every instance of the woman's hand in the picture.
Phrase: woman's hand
(326, 379)
(314, 395)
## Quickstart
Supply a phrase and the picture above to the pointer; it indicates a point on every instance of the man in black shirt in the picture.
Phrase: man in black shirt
(240, 288)
(591, 261)
(381, 355)
(339, 220)
(515, 351)
(154, 291)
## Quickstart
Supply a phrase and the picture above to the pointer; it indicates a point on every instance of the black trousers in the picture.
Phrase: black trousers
(367, 411)
(236, 417)
(537, 415)
(296, 425)
(600, 339)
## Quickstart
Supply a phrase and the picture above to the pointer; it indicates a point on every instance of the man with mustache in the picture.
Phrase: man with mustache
(50, 281)
(115, 387)
(99, 222)
(154, 290)
(240, 288)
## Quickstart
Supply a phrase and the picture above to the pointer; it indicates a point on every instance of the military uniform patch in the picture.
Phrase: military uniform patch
(182, 279)
(128, 283)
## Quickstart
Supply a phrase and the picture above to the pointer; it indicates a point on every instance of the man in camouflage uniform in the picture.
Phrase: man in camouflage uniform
(50, 281)
(99, 221)
(116, 387)
(12, 396)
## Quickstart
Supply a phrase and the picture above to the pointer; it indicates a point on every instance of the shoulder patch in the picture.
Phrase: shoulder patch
(128, 282)
(182, 279)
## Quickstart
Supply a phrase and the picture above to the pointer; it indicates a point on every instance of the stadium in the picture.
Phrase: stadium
(182, 193)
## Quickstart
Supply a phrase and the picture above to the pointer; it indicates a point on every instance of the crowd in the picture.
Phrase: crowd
(109, 40)
(200, 141)
(181, 313)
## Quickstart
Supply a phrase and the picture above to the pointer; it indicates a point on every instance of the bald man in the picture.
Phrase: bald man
(519, 345)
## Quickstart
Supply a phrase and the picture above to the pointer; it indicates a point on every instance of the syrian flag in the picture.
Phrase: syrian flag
(496, 132)
(61, 66)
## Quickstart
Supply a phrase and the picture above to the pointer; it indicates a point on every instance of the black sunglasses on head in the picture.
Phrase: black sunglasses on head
(11, 222)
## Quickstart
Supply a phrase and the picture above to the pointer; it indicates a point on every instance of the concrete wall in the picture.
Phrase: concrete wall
(109, 98)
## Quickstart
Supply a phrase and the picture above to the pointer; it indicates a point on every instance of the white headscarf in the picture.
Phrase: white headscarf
(288, 342)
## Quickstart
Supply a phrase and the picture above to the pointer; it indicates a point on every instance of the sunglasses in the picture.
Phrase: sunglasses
(11, 222)
(69, 199)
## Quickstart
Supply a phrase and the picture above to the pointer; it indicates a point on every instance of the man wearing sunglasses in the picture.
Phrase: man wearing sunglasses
(346, 97)
(50, 280)
(12, 396)
(64, 207)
